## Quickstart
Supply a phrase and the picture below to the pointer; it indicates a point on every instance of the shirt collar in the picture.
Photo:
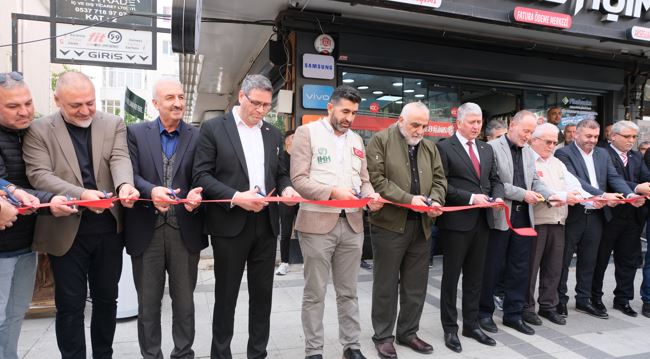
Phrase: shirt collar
(590, 154)
(162, 129)
(239, 121)
(616, 149)
(462, 139)
(328, 125)
(512, 145)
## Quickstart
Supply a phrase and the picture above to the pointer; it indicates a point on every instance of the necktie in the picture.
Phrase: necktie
(474, 159)
(624, 158)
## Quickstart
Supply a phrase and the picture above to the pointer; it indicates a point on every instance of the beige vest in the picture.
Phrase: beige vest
(324, 168)
(551, 172)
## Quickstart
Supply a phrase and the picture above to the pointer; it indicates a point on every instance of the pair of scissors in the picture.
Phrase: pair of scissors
(172, 194)
(11, 198)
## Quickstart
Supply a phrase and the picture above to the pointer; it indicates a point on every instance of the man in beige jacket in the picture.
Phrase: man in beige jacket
(81, 153)
(329, 162)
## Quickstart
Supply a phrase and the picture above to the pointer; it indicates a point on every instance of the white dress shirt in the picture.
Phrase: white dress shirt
(571, 181)
(339, 142)
(463, 141)
(591, 168)
(253, 145)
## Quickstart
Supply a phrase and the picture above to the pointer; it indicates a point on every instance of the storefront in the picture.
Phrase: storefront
(393, 64)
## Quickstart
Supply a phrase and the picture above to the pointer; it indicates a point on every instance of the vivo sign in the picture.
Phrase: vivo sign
(612, 8)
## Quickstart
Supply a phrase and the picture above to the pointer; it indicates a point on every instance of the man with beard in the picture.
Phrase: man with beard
(329, 162)
(83, 153)
(569, 135)
(554, 116)
(472, 179)
(403, 169)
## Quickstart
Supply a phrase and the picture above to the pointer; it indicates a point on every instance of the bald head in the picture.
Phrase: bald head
(73, 79)
(169, 100)
(163, 83)
(75, 96)
(521, 127)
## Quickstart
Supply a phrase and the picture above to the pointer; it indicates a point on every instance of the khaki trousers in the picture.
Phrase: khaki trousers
(338, 252)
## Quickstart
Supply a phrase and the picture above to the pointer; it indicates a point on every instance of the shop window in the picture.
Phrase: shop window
(112, 106)
(575, 106)
(120, 78)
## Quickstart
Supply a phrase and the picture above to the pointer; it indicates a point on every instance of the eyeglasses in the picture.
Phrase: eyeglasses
(257, 104)
(15, 75)
(627, 137)
(547, 142)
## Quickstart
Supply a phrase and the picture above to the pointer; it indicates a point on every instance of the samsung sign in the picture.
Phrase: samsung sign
(316, 97)
(612, 9)
(318, 66)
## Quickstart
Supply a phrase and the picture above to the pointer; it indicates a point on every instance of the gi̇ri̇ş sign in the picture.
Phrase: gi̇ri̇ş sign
(103, 46)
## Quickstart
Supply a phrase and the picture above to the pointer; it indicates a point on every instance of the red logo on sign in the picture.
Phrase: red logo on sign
(358, 152)
(96, 37)
(454, 112)
(543, 18)
(374, 107)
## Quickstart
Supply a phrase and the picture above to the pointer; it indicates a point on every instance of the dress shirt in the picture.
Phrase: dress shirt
(169, 140)
(518, 178)
(463, 142)
(339, 142)
(253, 146)
(591, 170)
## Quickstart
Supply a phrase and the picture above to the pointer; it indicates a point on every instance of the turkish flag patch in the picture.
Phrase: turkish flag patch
(540, 174)
(357, 152)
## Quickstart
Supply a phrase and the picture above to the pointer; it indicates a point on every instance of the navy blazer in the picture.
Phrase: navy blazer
(463, 181)
(220, 168)
(634, 173)
(146, 156)
(606, 175)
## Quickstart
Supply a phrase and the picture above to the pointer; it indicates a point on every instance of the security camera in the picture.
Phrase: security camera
(294, 3)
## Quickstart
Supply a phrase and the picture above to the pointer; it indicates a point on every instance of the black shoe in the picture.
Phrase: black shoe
(315, 356)
(452, 342)
(589, 309)
(519, 326)
(645, 310)
(598, 304)
(488, 325)
(365, 265)
(350, 353)
(531, 318)
(479, 336)
(552, 316)
(625, 309)
(561, 310)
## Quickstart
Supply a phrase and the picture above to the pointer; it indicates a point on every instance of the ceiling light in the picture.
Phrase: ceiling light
(409, 91)
(397, 84)
(399, 102)
(348, 81)
(419, 95)
(363, 99)
(345, 73)
(378, 92)
(362, 87)
(389, 98)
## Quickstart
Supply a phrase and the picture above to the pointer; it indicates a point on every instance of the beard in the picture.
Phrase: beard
(80, 123)
(410, 140)
(337, 124)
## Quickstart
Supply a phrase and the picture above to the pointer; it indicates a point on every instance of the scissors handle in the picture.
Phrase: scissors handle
(11, 198)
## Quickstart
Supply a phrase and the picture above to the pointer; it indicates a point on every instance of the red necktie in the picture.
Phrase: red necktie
(472, 156)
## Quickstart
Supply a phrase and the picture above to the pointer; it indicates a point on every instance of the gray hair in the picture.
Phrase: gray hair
(494, 125)
(69, 78)
(11, 84)
(545, 128)
(620, 125)
(164, 80)
(409, 107)
(588, 123)
(468, 108)
(569, 125)
(644, 143)
(519, 116)
(256, 82)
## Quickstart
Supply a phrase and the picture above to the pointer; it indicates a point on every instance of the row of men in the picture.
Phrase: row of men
(77, 151)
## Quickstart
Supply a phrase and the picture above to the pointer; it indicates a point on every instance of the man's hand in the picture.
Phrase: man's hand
(27, 200)
(638, 202)
(419, 201)
(573, 198)
(342, 193)
(643, 189)
(94, 195)
(128, 195)
(374, 204)
(194, 197)
(162, 198)
(59, 209)
(289, 192)
(532, 197)
(480, 199)
(434, 212)
(612, 198)
(555, 200)
(8, 214)
(243, 200)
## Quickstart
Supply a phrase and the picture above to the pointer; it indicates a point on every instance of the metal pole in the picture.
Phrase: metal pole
(14, 42)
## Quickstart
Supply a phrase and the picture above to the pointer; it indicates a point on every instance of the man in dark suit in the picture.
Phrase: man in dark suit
(594, 169)
(239, 158)
(472, 178)
(163, 237)
(621, 234)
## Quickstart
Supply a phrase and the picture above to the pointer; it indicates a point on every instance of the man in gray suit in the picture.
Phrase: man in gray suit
(523, 188)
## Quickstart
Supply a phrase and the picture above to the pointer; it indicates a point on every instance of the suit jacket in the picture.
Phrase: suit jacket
(390, 175)
(606, 175)
(506, 171)
(146, 156)
(320, 222)
(634, 173)
(220, 168)
(462, 182)
(52, 166)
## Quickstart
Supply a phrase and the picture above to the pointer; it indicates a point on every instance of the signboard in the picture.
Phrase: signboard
(318, 66)
(310, 118)
(134, 107)
(543, 18)
(426, 3)
(103, 46)
(104, 10)
(316, 97)
(640, 33)
(371, 123)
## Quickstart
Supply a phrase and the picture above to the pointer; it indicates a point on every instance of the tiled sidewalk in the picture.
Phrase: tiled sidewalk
(583, 336)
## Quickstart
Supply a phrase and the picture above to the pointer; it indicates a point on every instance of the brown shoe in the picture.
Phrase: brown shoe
(386, 350)
(417, 345)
